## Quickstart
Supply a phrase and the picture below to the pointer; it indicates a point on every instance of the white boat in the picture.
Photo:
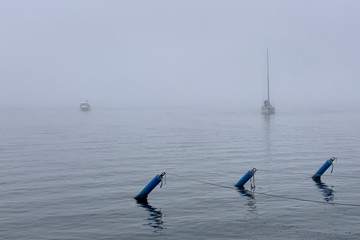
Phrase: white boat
(267, 108)
(85, 106)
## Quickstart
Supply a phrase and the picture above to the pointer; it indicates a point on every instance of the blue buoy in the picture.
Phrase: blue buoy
(142, 196)
(323, 168)
(245, 178)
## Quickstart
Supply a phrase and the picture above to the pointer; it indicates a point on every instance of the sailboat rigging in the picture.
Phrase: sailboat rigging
(267, 108)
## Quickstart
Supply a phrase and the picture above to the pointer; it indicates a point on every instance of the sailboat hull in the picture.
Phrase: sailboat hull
(268, 110)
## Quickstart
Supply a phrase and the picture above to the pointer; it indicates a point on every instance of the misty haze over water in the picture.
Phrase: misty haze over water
(177, 87)
(183, 53)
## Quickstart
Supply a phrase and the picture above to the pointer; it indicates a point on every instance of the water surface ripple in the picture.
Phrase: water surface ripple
(73, 175)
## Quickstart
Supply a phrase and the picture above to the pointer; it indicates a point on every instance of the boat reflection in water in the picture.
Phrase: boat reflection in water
(155, 216)
(327, 191)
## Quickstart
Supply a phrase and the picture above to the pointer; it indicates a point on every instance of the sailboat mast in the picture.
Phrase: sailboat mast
(267, 67)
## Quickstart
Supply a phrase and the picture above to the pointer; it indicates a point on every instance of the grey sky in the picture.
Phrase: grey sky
(176, 53)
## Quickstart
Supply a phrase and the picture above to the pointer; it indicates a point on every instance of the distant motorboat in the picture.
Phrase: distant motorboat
(267, 108)
(85, 106)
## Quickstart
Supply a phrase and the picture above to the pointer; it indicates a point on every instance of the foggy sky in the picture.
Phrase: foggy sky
(180, 53)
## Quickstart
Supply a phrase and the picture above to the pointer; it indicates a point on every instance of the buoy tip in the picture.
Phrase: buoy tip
(140, 198)
(239, 186)
(316, 177)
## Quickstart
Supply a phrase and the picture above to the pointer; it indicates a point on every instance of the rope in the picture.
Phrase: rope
(341, 176)
(332, 163)
(252, 182)
(162, 179)
(200, 181)
(335, 159)
(325, 174)
(268, 194)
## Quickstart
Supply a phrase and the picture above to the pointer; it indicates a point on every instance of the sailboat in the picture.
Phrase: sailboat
(267, 108)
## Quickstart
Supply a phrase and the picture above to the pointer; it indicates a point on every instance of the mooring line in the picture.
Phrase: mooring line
(267, 194)
(325, 175)
(341, 176)
(200, 181)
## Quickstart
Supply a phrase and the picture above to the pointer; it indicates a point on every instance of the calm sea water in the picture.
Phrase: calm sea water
(66, 174)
